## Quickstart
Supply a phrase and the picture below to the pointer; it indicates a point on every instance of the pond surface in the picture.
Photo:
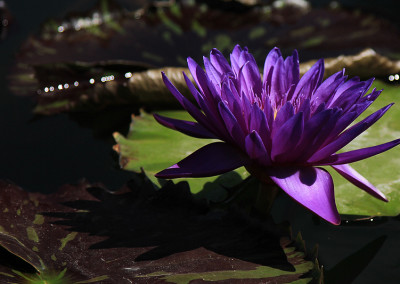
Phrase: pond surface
(43, 153)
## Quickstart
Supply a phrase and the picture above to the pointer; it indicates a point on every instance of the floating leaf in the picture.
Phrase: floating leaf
(85, 234)
(68, 87)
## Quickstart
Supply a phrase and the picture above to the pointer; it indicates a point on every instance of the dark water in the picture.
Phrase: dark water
(42, 154)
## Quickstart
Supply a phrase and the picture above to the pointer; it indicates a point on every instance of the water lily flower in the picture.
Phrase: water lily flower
(281, 127)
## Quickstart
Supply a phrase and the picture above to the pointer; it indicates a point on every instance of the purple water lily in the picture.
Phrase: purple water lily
(279, 126)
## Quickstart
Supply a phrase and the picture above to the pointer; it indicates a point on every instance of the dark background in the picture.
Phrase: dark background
(42, 154)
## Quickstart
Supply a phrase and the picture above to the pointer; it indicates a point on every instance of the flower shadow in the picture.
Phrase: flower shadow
(167, 221)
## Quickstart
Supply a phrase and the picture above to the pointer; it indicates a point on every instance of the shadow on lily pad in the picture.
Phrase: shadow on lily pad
(169, 221)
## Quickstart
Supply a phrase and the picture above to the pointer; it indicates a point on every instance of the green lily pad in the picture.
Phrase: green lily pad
(140, 234)
(154, 147)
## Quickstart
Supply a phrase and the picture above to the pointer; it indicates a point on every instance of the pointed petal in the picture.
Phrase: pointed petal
(292, 69)
(360, 154)
(212, 159)
(278, 83)
(219, 61)
(186, 104)
(269, 112)
(284, 114)
(305, 108)
(270, 61)
(231, 124)
(343, 87)
(358, 180)
(210, 111)
(311, 129)
(186, 127)
(202, 81)
(256, 150)
(309, 82)
(237, 50)
(312, 188)
(287, 138)
(258, 122)
(349, 135)
(343, 122)
(252, 78)
(327, 89)
(319, 138)
(196, 94)
(212, 73)
(245, 57)
(350, 96)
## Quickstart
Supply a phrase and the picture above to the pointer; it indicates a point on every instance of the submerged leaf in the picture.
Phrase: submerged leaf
(86, 234)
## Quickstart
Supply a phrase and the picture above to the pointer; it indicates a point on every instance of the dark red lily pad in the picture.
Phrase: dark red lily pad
(86, 234)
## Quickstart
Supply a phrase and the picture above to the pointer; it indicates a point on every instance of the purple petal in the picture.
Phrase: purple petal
(196, 94)
(316, 139)
(251, 77)
(350, 96)
(256, 150)
(186, 104)
(210, 110)
(219, 61)
(343, 87)
(343, 122)
(187, 127)
(312, 188)
(371, 96)
(245, 57)
(212, 73)
(278, 83)
(231, 124)
(259, 123)
(246, 111)
(212, 159)
(311, 129)
(292, 69)
(270, 61)
(269, 112)
(233, 104)
(348, 136)
(358, 180)
(310, 81)
(360, 154)
(202, 81)
(305, 108)
(327, 88)
(286, 138)
(237, 50)
(283, 115)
